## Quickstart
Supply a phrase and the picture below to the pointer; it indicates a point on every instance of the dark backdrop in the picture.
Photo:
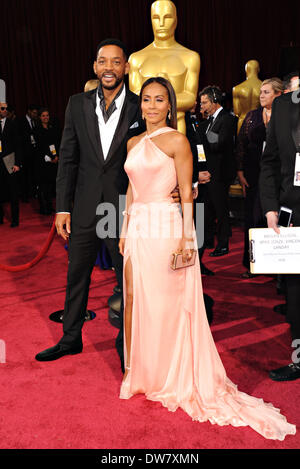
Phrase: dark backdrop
(47, 46)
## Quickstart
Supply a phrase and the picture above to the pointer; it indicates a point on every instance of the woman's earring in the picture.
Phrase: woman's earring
(169, 115)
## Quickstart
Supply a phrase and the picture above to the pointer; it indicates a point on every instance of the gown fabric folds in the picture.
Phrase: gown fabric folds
(173, 357)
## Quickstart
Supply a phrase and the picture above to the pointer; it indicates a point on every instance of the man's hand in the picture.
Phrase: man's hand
(243, 181)
(16, 168)
(272, 219)
(176, 196)
(63, 225)
(204, 177)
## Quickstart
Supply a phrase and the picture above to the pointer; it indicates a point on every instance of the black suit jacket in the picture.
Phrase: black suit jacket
(84, 178)
(11, 142)
(25, 132)
(194, 137)
(219, 147)
(278, 160)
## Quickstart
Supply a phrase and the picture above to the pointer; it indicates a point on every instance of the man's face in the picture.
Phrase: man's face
(111, 66)
(3, 110)
(164, 19)
(33, 113)
(207, 106)
(294, 83)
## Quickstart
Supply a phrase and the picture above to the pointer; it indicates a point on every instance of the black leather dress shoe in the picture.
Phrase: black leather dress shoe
(206, 271)
(209, 244)
(286, 373)
(280, 309)
(219, 252)
(14, 224)
(247, 275)
(58, 351)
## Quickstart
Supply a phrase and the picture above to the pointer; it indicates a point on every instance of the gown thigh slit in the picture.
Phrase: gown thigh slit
(173, 357)
(128, 310)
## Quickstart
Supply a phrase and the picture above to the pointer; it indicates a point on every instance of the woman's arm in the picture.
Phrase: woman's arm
(129, 198)
(242, 143)
(183, 160)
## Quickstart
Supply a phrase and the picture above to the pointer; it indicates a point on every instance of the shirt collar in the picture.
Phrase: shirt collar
(116, 103)
(217, 112)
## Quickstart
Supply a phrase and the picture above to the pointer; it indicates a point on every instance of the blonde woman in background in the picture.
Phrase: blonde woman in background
(250, 145)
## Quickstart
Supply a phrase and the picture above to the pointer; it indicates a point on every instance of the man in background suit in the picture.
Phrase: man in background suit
(9, 143)
(27, 125)
(93, 150)
(200, 174)
(218, 133)
(278, 188)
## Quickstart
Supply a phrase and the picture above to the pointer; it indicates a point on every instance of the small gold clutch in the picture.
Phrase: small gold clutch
(177, 262)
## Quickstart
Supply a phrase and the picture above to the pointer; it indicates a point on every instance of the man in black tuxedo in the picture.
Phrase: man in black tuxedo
(278, 188)
(200, 174)
(9, 144)
(218, 133)
(27, 125)
(93, 150)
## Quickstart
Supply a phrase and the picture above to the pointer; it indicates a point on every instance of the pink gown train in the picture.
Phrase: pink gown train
(174, 359)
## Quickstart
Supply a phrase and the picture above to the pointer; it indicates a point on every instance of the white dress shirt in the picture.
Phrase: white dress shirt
(2, 122)
(214, 116)
(107, 130)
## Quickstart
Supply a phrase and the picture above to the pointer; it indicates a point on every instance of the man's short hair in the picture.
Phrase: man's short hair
(113, 42)
(214, 94)
(290, 75)
(33, 107)
(287, 80)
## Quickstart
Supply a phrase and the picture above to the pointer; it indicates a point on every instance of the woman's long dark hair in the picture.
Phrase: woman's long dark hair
(172, 122)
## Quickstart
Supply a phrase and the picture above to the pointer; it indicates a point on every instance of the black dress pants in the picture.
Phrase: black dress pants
(216, 204)
(254, 218)
(10, 181)
(83, 248)
(293, 303)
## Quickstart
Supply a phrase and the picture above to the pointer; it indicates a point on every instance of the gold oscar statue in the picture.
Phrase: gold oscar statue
(91, 84)
(246, 94)
(164, 57)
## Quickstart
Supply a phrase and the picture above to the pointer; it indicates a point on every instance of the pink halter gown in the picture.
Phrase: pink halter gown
(174, 359)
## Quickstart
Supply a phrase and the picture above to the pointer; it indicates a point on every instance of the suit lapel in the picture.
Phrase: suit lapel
(89, 107)
(294, 116)
(127, 114)
(216, 119)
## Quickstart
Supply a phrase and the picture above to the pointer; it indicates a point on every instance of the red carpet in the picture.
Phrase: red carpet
(73, 403)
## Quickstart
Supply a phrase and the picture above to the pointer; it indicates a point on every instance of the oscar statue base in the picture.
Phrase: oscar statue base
(57, 316)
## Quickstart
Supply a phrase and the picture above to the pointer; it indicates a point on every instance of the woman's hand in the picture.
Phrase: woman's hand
(243, 181)
(122, 246)
(186, 247)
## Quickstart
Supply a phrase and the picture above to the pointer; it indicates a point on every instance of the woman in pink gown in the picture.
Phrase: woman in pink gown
(170, 354)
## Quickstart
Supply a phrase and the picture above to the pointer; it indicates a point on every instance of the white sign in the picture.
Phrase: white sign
(2, 91)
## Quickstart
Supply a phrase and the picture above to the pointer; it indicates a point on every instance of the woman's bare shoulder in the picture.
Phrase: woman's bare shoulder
(134, 141)
(178, 140)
